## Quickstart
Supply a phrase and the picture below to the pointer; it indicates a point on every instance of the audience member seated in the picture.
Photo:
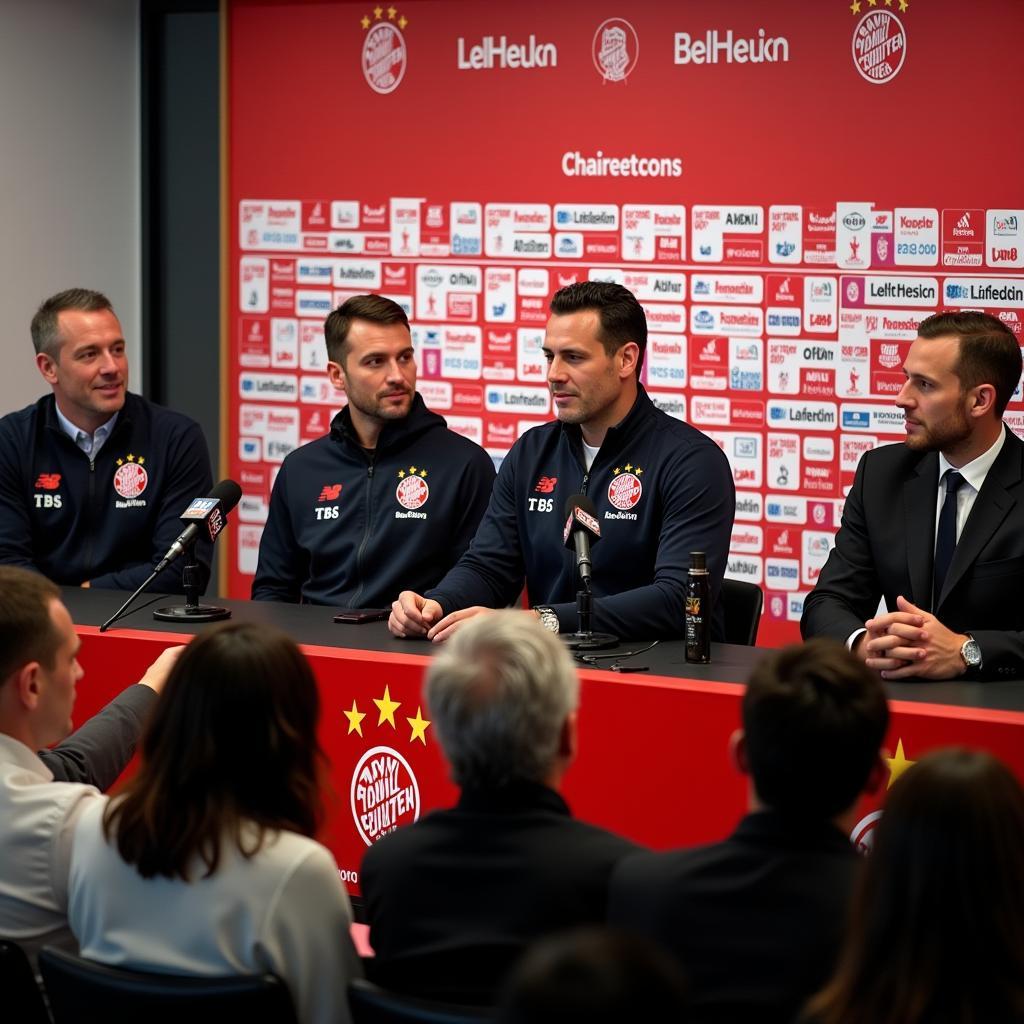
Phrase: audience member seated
(756, 920)
(42, 794)
(206, 863)
(937, 927)
(453, 899)
(597, 976)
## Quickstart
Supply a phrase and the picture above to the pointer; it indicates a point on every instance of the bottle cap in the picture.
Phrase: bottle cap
(697, 560)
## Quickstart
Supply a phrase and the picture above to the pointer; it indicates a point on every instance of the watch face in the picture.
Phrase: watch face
(972, 653)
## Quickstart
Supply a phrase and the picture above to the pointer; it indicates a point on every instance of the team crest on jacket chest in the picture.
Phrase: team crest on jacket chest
(625, 489)
(412, 491)
(130, 480)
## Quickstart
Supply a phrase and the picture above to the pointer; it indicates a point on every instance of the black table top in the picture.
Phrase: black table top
(314, 625)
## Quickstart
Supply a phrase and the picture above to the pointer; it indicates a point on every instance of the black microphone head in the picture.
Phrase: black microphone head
(580, 515)
(228, 493)
(575, 501)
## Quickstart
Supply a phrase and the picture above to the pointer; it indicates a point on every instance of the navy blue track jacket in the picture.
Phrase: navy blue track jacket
(107, 521)
(354, 528)
(661, 488)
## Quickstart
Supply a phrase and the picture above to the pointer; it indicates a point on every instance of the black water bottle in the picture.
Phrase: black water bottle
(698, 610)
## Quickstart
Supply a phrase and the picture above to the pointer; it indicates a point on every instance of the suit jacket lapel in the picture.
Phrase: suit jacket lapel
(919, 498)
(991, 507)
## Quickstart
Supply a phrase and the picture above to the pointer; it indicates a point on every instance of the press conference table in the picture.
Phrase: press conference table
(652, 764)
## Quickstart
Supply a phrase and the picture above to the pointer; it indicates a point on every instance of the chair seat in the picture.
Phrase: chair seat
(82, 991)
(371, 1004)
(20, 995)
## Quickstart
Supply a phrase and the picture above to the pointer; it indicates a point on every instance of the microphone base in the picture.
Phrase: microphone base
(194, 613)
(588, 641)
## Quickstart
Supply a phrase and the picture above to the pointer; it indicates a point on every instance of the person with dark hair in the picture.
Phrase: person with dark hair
(936, 933)
(935, 526)
(756, 920)
(660, 488)
(205, 863)
(42, 792)
(453, 899)
(598, 976)
(93, 479)
(390, 497)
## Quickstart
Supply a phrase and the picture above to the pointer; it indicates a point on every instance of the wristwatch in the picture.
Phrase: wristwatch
(971, 653)
(548, 619)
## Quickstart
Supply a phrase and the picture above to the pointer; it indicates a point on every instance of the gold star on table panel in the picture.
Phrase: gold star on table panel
(904, 6)
(387, 708)
(419, 726)
(898, 764)
(378, 12)
(402, 22)
(855, 7)
(391, 13)
(355, 718)
(365, 22)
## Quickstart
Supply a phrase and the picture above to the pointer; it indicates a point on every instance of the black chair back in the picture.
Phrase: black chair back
(20, 996)
(742, 603)
(84, 992)
(371, 1004)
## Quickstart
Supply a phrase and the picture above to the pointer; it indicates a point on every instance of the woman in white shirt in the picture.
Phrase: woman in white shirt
(205, 863)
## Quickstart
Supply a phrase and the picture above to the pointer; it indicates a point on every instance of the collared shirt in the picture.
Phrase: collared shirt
(974, 474)
(89, 443)
(37, 819)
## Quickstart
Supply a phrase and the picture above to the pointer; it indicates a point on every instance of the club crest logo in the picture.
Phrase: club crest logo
(384, 794)
(385, 56)
(412, 491)
(625, 490)
(879, 43)
(130, 478)
(616, 48)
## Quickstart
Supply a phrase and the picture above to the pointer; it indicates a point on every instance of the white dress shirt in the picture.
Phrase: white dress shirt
(37, 820)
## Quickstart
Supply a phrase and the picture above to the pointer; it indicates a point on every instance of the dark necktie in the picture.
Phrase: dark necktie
(945, 540)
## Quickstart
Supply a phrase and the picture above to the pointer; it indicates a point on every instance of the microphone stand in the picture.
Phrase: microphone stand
(191, 610)
(584, 639)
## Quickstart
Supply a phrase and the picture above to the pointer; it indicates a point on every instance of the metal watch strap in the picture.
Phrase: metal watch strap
(548, 618)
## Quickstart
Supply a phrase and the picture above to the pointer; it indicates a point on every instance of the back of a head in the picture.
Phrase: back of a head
(27, 632)
(598, 976)
(232, 740)
(949, 856)
(937, 931)
(813, 704)
(499, 693)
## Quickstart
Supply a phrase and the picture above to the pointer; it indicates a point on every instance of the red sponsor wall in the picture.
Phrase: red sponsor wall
(788, 189)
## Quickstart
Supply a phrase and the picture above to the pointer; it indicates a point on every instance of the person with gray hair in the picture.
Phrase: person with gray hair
(454, 899)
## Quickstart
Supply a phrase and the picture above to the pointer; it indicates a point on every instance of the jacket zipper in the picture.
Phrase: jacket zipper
(366, 535)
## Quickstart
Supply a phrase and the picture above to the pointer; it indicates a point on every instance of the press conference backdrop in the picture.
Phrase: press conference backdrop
(788, 188)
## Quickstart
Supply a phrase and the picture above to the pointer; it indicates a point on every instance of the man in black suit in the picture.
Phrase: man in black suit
(936, 525)
(455, 898)
(756, 920)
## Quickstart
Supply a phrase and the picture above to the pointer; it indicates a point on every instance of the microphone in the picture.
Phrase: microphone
(581, 530)
(207, 515)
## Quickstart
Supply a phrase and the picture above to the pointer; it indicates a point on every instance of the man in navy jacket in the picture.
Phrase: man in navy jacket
(660, 487)
(92, 478)
(390, 497)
